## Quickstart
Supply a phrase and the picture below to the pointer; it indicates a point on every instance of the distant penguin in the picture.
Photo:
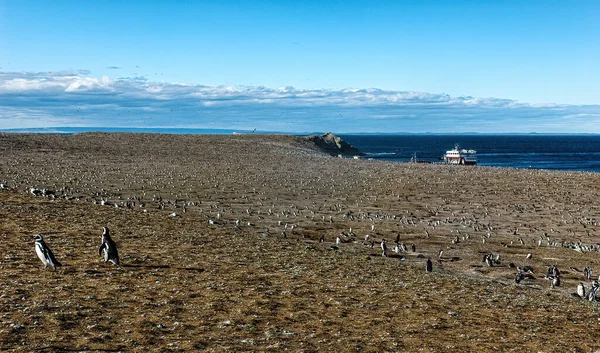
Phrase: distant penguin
(45, 254)
(428, 265)
(555, 271)
(383, 248)
(489, 260)
(592, 293)
(581, 290)
(587, 272)
(110, 248)
(518, 277)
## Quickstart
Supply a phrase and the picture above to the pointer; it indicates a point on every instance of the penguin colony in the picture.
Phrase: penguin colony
(398, 247)
(109, 247)
(109, 252)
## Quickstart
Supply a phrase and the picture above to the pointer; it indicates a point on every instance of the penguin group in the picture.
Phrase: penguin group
(48, 259)
(491, 259)
(108, 248)
(523, 273)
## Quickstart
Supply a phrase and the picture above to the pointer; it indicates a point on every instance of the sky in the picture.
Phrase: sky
(303, 66)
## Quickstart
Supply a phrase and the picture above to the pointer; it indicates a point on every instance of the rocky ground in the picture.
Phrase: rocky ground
(219, 242)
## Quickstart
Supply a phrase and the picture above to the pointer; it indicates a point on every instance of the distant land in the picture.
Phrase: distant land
(167, 130)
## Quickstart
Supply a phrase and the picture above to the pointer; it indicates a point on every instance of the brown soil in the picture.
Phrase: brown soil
(186, 284)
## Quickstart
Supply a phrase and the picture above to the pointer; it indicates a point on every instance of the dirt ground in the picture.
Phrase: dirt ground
(219, 243)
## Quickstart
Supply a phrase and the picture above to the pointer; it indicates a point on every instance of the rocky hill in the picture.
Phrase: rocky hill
(333, 145)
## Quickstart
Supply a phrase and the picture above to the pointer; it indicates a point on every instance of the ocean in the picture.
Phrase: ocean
(555, 152)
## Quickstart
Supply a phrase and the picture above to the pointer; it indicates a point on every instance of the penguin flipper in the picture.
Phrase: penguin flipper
(53, 261)
(50, 259)
(100, 248)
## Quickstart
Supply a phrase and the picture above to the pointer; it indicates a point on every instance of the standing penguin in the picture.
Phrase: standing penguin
(581, 290)
(110, 248)
(429, 265)
(45, 254)
(383, 248)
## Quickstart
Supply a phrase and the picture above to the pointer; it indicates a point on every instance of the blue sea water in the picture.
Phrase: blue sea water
(556, 152)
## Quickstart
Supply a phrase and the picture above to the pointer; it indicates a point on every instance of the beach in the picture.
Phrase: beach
(219, 239)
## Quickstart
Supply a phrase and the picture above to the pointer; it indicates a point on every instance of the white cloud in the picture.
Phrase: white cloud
(77, 98)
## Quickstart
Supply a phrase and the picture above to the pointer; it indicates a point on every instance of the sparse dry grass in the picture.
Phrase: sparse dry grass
(188, 285)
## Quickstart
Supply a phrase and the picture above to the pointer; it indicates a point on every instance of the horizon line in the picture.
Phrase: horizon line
(221, 131)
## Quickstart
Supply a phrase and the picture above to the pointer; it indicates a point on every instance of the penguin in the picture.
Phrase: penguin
(45, 254)
(429, 265)
(581, 290)
(383, 248)
(489, 261)
(555, 271)
(518, 277)
(592, 293)
(110, 248)
(587, 272)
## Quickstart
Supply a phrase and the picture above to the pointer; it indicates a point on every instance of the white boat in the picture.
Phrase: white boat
(461, 157)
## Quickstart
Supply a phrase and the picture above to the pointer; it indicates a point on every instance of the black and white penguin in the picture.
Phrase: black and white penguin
(518, 277)
(587, 272)
(110, 248)
(429, 265)
(581, 290)
(383, 248)
(489, 260)
(45, 254)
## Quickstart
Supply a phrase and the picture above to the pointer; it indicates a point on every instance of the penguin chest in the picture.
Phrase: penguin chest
(39, 249)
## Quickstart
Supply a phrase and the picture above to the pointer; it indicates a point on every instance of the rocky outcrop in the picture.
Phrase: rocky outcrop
(333, 145)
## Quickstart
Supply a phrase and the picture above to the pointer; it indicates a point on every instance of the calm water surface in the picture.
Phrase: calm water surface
(558, 152)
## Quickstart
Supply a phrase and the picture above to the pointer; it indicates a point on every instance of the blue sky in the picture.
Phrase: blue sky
(345, 66)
